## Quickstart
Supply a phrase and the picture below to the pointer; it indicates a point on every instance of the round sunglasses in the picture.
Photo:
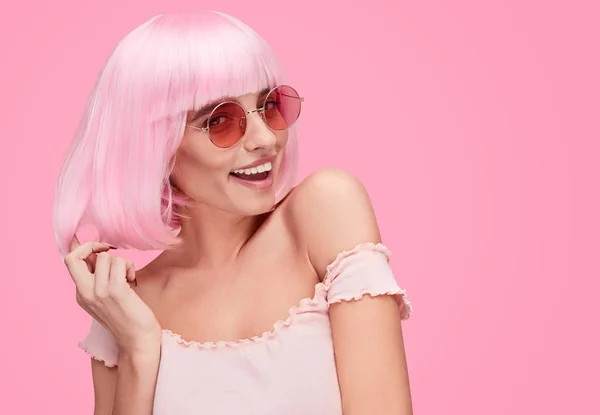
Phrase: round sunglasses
(226, 124)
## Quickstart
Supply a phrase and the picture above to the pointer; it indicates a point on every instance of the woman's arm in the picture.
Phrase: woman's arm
(127, 388)
(124, 332)
(105, 381)
(370, 357)
(333, 213)
(136, 382)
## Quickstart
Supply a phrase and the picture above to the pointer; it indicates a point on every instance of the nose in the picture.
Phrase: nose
(258, 135)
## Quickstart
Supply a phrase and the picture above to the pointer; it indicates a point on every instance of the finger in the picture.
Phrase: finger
(116, 279)
(91, 247)
(130, 273)
(90, 260)
(101, 274)
(122, 271)
(75, 260)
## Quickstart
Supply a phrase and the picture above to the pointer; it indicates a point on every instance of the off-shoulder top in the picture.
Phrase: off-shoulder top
(289, 370)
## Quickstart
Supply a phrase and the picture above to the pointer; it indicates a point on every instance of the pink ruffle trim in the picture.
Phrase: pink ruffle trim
(93, 356)
(404, 304)
(306, 304)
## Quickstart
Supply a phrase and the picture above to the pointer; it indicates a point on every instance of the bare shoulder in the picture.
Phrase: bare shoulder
(331, 211)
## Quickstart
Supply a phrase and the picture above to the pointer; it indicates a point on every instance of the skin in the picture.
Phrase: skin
(232, 242)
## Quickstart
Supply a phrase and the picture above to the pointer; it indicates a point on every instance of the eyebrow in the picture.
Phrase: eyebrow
(207, 108)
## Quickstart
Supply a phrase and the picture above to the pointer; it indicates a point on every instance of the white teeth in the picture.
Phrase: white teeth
(254, 170)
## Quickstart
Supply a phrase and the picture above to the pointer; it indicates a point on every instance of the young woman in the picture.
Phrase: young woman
(269, 297)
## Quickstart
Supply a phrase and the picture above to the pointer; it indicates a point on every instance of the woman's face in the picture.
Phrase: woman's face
(204, 172)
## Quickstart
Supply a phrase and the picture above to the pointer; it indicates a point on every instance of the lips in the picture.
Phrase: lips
(257, 175)
(258, 181)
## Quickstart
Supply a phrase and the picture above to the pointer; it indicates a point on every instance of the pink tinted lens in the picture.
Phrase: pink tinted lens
(282, 107)
(227, 124)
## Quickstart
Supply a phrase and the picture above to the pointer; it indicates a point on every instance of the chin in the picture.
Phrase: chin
(253, 197)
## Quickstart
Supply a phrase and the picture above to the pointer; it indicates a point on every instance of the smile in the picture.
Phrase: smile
(258, 178)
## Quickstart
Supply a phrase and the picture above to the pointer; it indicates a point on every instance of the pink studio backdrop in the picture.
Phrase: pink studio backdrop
(474, 126)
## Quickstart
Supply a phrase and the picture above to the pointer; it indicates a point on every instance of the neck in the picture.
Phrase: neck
(212, 238)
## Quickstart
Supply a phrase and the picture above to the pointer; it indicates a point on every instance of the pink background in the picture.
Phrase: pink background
(474, 126)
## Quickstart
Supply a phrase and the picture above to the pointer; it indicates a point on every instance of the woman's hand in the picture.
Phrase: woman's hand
(104, 291)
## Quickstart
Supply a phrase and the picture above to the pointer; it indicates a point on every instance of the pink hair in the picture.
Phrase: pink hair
(115, 176)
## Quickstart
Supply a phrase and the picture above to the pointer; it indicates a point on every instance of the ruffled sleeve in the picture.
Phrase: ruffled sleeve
(100, 345)
(365, 269)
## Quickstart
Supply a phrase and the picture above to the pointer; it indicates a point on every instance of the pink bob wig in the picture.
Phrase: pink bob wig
(115, 176)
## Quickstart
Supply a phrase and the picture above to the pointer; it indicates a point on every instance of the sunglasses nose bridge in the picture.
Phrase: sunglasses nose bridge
(260, 110)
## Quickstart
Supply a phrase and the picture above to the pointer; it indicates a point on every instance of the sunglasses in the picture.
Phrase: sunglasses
(226, 124)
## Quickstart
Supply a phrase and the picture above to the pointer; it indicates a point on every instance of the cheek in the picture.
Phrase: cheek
(197, 155)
